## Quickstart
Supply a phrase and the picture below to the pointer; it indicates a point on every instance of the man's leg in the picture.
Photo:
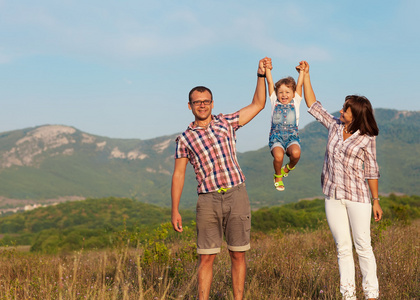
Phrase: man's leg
(205, 275)
(238, 273)
(238, 235)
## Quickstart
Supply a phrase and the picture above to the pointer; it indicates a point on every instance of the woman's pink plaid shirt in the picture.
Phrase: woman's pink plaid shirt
(347, 163)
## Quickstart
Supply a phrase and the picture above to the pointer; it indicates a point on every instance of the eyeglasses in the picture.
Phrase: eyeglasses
(199, 102)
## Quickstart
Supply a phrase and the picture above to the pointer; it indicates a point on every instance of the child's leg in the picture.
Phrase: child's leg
(278, 154)
(293, 151)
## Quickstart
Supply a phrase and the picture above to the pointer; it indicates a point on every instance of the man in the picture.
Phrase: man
(223, 205)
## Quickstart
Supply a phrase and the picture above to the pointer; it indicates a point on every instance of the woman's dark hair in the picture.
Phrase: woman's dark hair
(363, 118)
(200, 89)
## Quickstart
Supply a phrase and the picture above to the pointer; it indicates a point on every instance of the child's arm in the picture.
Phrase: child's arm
(270, 82)
(299, 83)
(307, 87)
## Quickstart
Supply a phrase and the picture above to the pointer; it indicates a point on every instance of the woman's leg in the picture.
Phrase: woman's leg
(360, 216)
(338, 222)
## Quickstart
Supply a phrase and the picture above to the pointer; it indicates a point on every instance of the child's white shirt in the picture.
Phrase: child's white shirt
(297, 99)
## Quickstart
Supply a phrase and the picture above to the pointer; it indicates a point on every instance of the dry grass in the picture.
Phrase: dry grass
(280, 266)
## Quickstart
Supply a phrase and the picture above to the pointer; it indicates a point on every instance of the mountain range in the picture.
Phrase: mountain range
(53, 163)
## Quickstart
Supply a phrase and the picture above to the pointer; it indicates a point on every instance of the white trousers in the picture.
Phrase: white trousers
(343, 215)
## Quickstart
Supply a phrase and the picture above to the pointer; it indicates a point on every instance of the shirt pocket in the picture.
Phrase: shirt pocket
(221, 133)
(357, 157)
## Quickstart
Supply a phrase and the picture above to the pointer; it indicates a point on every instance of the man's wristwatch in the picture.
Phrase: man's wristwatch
(260, 75)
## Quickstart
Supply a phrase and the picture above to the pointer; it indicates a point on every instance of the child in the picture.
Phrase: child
(285, 98)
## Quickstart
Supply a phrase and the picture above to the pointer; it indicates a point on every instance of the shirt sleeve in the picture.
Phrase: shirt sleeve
(297, 98)
(233, 120)
(370, 163)
(181, 151)
(321, 114)
(273, 98)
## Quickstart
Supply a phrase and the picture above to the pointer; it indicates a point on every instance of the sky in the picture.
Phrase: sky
(123, 69)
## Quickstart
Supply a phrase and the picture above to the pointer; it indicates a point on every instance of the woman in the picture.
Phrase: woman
(350, 161)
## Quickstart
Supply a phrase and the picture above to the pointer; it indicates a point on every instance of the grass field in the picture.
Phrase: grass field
(291, 265)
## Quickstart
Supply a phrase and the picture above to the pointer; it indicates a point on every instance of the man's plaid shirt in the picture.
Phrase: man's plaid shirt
(347, 163)
(212, 153)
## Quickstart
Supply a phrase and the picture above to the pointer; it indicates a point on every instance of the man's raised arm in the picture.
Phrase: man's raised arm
(247, 113)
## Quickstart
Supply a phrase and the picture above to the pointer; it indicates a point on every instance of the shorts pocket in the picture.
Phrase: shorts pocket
(247, 221)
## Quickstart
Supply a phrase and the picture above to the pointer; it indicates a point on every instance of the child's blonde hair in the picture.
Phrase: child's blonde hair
(288, 81)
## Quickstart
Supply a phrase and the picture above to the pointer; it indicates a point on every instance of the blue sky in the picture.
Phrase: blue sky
(123, 69)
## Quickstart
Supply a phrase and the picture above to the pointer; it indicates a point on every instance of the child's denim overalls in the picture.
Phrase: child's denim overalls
(283, 126)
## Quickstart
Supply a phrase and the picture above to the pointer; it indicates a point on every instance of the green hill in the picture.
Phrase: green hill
(398, 152)
(42, 164)
(309, 214)
(91, 223)
(111, 213)
(110, 222)
(48, 162)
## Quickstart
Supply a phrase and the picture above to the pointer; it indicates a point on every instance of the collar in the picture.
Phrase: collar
(192, 126)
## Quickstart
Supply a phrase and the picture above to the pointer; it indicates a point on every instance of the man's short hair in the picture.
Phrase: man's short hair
(200, 89)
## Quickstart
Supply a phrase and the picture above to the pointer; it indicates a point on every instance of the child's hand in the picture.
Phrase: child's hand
(264, 64)
(301, 67)
(268, 64)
